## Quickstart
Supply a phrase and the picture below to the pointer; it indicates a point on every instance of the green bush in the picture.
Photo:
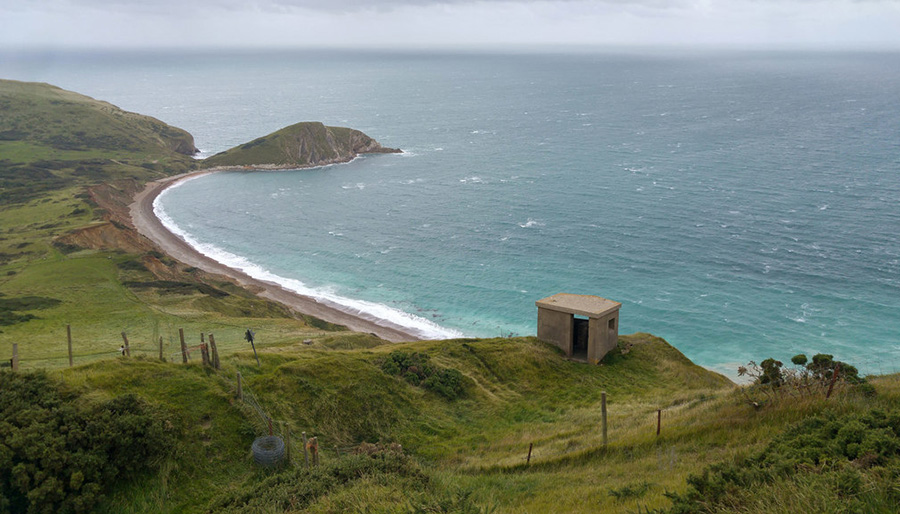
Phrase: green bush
(417, 369)
(821, 376)
(837, 448)
(59, 452)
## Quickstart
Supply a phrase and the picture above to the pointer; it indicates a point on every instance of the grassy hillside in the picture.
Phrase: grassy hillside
(69, 166)
(51, 139)
(466, 454)
(301, 144)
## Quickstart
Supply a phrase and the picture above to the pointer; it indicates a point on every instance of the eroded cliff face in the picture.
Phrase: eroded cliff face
(183, 145)
(301, 145)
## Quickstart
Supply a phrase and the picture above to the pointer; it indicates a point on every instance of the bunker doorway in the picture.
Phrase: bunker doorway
(580, 337)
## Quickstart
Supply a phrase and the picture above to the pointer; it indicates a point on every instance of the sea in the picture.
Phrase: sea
(740, 204)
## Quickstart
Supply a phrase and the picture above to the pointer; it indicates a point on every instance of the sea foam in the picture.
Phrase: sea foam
(371, 311)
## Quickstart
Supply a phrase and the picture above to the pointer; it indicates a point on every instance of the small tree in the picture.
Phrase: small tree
(807, 378)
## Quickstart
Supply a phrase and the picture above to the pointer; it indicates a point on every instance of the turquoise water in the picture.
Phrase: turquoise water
(740, 205)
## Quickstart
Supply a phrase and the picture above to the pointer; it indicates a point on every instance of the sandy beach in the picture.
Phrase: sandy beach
(150, 226)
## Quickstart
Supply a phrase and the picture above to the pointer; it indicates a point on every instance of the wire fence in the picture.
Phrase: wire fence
(49, 349)
(71, 350)
(884, 363)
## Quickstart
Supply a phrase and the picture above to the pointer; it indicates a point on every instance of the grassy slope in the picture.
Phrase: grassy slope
(301, 144)
(519, 391)
(51, 138)
(54, 143)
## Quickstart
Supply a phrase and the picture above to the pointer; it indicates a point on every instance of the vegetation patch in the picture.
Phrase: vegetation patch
(417, 369)
(350, 483)
(9, 308)
(66, 248)
(59, 451)
(175, 287)
(842, 453)
(131, 265)
(822, 376)
(630, 491)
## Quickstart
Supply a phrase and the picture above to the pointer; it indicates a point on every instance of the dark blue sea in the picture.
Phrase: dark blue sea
(740, 205)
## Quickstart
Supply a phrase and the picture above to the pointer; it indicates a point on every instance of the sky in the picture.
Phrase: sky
(471, 24)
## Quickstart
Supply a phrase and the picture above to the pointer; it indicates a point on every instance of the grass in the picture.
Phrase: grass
(471, 450)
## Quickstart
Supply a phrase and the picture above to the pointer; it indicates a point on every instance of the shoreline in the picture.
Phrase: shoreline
(147, 224)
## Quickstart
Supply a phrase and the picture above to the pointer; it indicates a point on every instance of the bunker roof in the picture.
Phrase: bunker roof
(581, 304)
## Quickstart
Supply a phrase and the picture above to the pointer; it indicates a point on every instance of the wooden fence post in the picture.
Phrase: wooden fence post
(287, 441)
(204, 354)
(184, 354)
(658, 421)
(15, 357)
(834, 375)
(528, 459)
(215, 352)
(305, 452)
(127, 350)
(201, 338)
(69, 337)
(314, 450)
(603, 416)
(161, 356)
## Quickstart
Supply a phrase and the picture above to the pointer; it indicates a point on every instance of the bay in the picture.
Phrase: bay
(741, 205)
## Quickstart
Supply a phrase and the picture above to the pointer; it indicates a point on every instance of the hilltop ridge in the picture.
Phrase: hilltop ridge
(52, 139)
(50, 116)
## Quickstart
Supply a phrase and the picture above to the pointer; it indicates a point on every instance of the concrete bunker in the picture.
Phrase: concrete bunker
(586, 327)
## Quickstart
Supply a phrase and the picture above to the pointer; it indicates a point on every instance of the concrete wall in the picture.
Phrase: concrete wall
(602, 339)
(556, 327)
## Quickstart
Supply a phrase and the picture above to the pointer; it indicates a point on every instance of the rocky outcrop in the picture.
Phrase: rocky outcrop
(301, 145)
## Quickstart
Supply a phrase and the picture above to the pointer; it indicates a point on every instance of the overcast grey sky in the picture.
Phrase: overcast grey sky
(448, 23)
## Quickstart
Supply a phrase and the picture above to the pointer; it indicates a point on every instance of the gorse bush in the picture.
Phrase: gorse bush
(841, 452)
(417, 369)
(59, 452)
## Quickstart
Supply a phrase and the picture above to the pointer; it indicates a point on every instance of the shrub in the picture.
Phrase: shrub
(833, 446)
(417, 369)
(59, 451)
(131, 265)
(820, 376)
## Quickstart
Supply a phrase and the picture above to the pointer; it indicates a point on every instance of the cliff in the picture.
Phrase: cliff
(300, 145)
